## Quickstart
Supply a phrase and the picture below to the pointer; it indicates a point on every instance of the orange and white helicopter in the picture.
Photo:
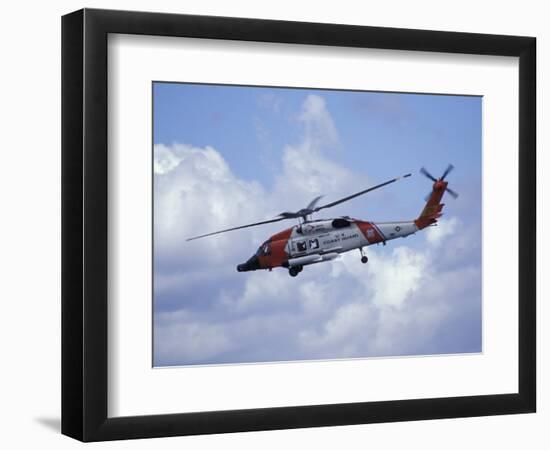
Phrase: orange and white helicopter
(315, 241)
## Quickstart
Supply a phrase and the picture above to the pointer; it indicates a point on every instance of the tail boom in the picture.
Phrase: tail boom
(432, 209)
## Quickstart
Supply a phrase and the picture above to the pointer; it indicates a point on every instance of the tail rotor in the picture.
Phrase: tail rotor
(427, 174)
(440, 182)
(433, 208)
(448, 170)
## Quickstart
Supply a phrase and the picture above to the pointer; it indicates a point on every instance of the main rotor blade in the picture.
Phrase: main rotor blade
(447, 171)
(424, 172)
(237, 228)
(289, 215)
(453, 193)
(349, 197)
(314, 202)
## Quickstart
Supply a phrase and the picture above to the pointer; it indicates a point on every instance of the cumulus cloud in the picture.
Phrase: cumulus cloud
(195, 190)
(320, 130)
(179, 339)
(404, 301)
(308, 166)
(445, 227)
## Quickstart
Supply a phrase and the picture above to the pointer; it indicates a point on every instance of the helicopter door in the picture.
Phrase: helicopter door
(300, 246)
(303, 245)
(313, 244)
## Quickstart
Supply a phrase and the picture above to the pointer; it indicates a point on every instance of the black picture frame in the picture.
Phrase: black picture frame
(84, 224)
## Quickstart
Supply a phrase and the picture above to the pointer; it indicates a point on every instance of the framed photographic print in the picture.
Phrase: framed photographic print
(273, 224)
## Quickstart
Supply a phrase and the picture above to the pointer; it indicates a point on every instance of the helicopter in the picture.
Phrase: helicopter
(315, 241)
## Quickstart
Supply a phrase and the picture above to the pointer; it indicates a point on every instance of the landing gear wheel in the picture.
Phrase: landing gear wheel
(300, 268)
(293, 271)
(364, 259)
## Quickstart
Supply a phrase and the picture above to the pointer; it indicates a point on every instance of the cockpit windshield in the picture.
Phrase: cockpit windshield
(264, 249)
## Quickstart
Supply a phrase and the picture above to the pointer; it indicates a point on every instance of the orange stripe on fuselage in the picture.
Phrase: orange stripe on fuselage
(282, 235)
(370, 232)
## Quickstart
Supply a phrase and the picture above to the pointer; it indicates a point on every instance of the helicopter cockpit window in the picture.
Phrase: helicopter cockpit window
(264, 250)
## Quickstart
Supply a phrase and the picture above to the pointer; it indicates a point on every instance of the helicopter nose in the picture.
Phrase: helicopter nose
(252, 264)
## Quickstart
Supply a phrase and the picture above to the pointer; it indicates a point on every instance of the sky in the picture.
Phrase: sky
(229, 155)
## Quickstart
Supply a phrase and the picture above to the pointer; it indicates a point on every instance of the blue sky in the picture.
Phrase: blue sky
(225, 155)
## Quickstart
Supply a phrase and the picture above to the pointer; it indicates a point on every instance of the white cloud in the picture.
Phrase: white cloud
(395, 277)
(445, 227)
(179, 338)
(344, 334)
(320, 130)
(308, 169)
(197, 193)
(371, 320)
(261, 293)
